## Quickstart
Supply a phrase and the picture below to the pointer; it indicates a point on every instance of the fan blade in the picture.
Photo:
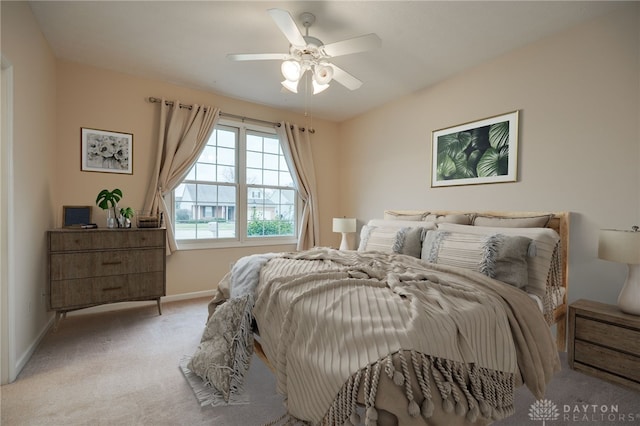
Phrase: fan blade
(257, 56)
(346, 79)
(353, 45)
(287, 25)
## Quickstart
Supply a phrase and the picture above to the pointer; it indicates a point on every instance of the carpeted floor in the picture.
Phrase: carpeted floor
(121, 368)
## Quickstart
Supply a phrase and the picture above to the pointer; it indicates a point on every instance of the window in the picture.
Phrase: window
(239, 191)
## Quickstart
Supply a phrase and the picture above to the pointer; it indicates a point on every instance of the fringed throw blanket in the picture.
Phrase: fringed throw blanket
(336, 325)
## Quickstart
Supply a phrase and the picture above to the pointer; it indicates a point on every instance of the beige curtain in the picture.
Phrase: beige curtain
(296, 145)
(183, 134)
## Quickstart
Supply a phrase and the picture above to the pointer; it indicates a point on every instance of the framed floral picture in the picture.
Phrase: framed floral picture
(105, 151)
(483, 151)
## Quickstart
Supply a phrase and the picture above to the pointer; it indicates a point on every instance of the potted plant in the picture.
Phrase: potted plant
(107, 200)
(126, 213)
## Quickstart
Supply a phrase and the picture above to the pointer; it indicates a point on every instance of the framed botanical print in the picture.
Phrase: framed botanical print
(483, 151)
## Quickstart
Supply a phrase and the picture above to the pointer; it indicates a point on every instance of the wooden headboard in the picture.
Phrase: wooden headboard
(559, 222)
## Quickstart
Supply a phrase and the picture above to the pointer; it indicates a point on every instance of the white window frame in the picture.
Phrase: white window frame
(241, 239)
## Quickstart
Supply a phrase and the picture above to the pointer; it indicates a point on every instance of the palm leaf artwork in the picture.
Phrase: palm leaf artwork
(479, 152)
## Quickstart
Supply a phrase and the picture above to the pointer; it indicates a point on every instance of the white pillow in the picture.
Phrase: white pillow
(546, 243)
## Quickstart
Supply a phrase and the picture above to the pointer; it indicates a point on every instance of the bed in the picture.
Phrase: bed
(434, 320)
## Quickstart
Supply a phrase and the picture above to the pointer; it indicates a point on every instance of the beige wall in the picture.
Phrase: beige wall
(578, 93)
(33, 146)
(101, 99)
(579, 141)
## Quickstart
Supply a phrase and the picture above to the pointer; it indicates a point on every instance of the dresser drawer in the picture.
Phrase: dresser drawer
(64, 266)
(68, 294)
(610, 335)
(605, 359)
(90, 239)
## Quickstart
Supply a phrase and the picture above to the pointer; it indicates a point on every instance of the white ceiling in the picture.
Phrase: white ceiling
(186, 43)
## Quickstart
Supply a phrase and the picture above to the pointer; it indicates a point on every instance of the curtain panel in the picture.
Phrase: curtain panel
(296, 145)
(183, 134)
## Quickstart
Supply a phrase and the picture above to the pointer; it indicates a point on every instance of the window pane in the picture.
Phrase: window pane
(205, 211)
(225, 138)
(271, 162)
(254, 176)
(226, 174)
(208, 154)
(271, 215)
(254, 159)
(205, 172)
(270, 178)
(254, 143)
(271, 145)
(226, 156)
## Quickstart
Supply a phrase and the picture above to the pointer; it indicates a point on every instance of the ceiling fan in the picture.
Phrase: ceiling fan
(307, 53)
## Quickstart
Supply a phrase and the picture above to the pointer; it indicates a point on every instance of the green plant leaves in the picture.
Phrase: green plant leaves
(479, 152)
(106, 197)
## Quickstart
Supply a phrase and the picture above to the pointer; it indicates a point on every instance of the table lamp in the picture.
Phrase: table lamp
(345, 225)
(624, 247)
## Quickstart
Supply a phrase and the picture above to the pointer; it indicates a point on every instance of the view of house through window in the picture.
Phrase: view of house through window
(239, 189)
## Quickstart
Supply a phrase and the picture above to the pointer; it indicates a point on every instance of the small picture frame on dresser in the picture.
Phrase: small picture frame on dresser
(75, 216)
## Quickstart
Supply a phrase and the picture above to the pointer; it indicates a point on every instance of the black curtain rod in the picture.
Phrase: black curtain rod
(227, 115)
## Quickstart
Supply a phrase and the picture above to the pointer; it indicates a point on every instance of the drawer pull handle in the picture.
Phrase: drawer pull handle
(111, 288)
(115, 262)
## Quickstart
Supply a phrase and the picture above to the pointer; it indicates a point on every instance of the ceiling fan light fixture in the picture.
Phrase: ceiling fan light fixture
(323, 74)
(317, 88)
(291, 70)
(291, 86)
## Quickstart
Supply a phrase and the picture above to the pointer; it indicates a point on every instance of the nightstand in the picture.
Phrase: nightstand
(605, 342)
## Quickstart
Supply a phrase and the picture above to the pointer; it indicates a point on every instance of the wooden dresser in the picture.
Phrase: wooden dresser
(89, 267)
(605, 342)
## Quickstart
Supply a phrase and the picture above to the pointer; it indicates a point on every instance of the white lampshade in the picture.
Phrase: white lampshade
(317, 88)
(291, 70)
(292, 86)
(323, 74)
(344, 224)
(619, 246)
(624, 247)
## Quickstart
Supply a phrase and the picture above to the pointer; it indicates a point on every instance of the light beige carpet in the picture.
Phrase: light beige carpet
(121, 368)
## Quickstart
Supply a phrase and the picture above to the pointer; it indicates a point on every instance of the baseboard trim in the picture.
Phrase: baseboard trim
(128, 305)
(26, 355)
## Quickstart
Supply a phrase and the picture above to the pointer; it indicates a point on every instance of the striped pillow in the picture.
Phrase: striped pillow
(392, 239)
(543, 268)
(496, 255)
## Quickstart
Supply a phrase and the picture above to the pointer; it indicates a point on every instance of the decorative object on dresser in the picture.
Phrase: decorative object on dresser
(126, 213)
(76, 216)
(604, 342)
(108, 201)
(98, 266)
(624, 247)
(345, 225)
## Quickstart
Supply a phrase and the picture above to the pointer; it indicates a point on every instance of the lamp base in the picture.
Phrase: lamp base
(344, 244)
(629, 298)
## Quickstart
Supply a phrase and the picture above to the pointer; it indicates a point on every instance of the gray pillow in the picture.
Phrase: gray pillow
(511, 260)
(409, 241)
